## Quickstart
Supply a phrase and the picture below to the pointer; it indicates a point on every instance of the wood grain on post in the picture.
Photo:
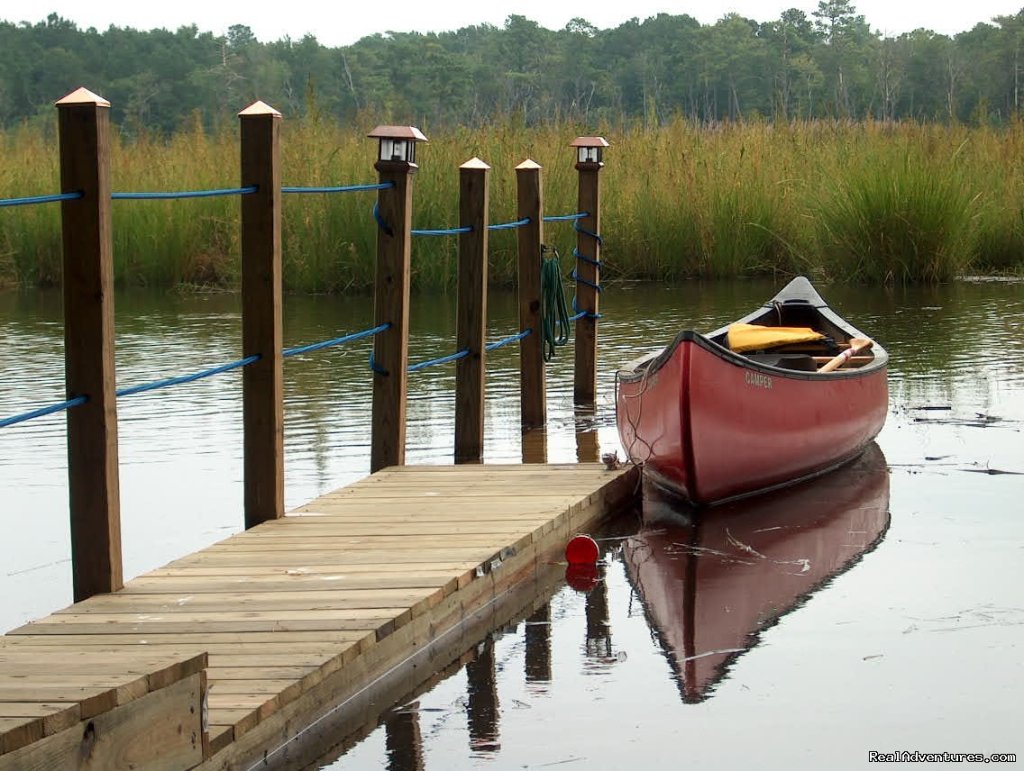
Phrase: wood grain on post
(532, 388)
(588, 272)
(588, 448)
(88, 283)
(391, 296)
(263, 380)
(535, 445)
(471, 328)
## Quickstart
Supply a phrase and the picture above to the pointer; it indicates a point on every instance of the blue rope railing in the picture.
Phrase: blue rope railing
(566, 217)
(583, 314)
(507, 340)
(180, 379)
(173, 195)
(465, 351)
(589, 261)
(167, 382)
(380, 220)
(595, 236)
(38, 413)
(35, 199)
(510, 225)
(337, 340)
(375, 367)
(448, 232)
(183, 194)
(453, 356)
(171, 381)
(339, 188)
(288, 352)
(441, 360)
(467, 229)
(575, 276)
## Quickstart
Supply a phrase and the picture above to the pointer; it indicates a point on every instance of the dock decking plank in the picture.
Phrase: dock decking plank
(51, 717)
(324, 599)
(296, 612)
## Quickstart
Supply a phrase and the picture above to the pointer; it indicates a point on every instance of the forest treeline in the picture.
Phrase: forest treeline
(827, 64)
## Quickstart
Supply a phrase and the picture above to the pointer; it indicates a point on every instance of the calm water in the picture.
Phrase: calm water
(880, 609)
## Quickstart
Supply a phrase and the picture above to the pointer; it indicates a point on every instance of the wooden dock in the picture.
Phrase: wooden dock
(226, 658)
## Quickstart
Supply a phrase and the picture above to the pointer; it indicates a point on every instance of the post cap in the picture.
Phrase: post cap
(528, 165)
(589, 142)
(259, 108)
(398, 132)
(475, 163)
(83, 96)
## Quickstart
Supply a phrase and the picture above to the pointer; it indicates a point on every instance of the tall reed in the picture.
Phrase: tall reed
(871, 202)
(904, 212)
(999, 245)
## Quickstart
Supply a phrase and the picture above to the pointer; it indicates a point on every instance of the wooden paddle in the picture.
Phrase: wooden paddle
(857, 344)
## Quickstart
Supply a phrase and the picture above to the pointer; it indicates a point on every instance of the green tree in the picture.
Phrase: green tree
(737, 60)
(846, 56)
(790, 41)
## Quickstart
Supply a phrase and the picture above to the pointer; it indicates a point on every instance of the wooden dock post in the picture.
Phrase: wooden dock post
(535, 445)
(396, 163)
(471, 330)
(532, 388)
(588, 449)
(263, 380)
(88, 284)
(588, 272)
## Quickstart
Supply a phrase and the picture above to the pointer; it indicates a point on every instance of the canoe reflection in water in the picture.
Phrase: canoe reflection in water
(712, 580)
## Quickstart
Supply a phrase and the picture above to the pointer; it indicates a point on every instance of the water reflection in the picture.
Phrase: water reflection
(402, 710)
(708, 584)
(712, 581)
(537, 634)
(598, 645)
(404, 740)
(482, 706)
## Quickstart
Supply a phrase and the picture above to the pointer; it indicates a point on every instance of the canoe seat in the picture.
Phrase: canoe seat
(796, 361)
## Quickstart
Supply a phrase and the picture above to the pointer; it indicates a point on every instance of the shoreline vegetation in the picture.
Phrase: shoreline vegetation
(872, 202)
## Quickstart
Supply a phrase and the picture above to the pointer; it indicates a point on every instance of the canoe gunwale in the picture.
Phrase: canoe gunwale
(797, 294)
(647, 366)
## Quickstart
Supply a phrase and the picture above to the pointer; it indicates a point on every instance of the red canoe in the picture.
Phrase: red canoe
(714, 424)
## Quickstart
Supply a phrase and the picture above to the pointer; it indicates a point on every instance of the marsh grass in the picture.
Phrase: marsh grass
(867, 202)
(904, 213)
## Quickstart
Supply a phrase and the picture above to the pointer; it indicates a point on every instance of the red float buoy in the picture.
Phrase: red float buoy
(581, 550)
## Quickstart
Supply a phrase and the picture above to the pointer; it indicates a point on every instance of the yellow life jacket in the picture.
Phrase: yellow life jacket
(754, 337)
